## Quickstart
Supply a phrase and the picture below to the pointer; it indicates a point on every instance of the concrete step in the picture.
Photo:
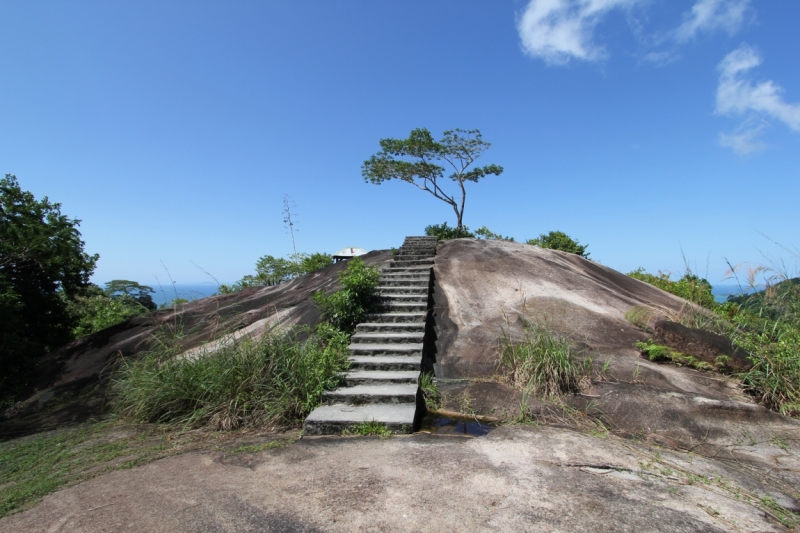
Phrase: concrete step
(421, 277)
(389, 299)
(372, 394)
(408, 348)
(398, 318)
(381, 377)
(403, 297)
(388, 338)
(333, 419)
(402, 289)
(385, 362)
(406, 270)
(412, 257)
(401, 263)
(412, 282)
(396, 307)
(391, 327)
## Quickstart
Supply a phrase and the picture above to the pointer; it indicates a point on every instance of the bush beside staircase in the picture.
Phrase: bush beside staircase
(382, 384)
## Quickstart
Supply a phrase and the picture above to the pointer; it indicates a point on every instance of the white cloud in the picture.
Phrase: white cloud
(737, 95)
(745, 140)
(559, 30)
(660, 58)
(709, 15)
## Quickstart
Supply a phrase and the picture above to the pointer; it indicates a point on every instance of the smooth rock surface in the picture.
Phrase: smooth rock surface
(483, 288)
(542, 479)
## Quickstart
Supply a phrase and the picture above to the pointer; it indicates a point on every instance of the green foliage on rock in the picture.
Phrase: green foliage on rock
(766, 325)
(414, 160)
(276, 379)
(344, 309)
(42, 261)
(774, 347)
(689, 286)
(443, 232)
(276, 270)
(541, 362)
(486, 234)
(658, 352)
(558, 240)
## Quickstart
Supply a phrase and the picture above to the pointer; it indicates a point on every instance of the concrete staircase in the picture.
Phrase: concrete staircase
(385, 351)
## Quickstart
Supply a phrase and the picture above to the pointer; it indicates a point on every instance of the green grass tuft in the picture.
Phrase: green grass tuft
(274, 380)
(542, 363)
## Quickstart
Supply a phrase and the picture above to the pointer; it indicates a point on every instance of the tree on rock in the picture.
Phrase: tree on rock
(558, 240)
(414, 160)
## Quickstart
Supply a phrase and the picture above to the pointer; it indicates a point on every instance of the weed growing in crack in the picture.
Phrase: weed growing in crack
(371, 428)
(430, 392)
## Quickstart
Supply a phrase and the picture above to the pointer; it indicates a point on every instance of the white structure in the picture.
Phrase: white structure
(347, 253)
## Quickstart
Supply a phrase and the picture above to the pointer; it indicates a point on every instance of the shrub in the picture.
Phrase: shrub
(558, 240)
(443, 232)
(273, 380)
(276, 270)
(98, 312)
(689, 287)
(346, 308)
(774, 347)
(485, 233)
(543, 363)
(658, 352)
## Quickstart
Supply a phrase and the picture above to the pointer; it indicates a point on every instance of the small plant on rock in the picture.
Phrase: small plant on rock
(367, 429)
(346, 308)
(542, 362)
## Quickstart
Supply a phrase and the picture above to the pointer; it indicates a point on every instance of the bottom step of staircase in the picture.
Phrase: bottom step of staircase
(333, 419)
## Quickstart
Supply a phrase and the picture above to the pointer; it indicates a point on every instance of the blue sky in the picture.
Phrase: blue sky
(646, 128)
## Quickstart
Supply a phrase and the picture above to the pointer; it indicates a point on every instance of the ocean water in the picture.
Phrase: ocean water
(721, 292)
(188, 291)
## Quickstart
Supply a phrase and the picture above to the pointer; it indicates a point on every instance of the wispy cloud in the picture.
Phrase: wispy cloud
(710, 15)
(745, 140)
(661, 58)
(738, 95)
(560, 30)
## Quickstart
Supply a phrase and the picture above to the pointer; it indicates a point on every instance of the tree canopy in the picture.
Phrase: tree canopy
(414, 160)
(123, 289)
(41, 257)
(276, 270)
(558, 240)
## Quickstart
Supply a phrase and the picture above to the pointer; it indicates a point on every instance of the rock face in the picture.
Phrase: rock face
(701, 344)
(483, 288)
(85, 362)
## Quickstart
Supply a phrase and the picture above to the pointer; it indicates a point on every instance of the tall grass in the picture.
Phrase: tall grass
(765, 323)
(541, 363)
(274, 380)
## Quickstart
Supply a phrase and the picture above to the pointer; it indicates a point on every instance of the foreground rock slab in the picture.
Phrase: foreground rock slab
(514, 479)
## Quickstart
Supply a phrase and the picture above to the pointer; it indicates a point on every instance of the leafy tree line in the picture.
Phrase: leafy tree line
(46, 299)
(765, 324)
(276, 270)
(555, 240)
(42, 266)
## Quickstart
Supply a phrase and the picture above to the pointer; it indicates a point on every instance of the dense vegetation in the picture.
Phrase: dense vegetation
(42, 266)
(766, 324)
(558, 240)
(555, 240)
(275, 270)
(274, 379)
